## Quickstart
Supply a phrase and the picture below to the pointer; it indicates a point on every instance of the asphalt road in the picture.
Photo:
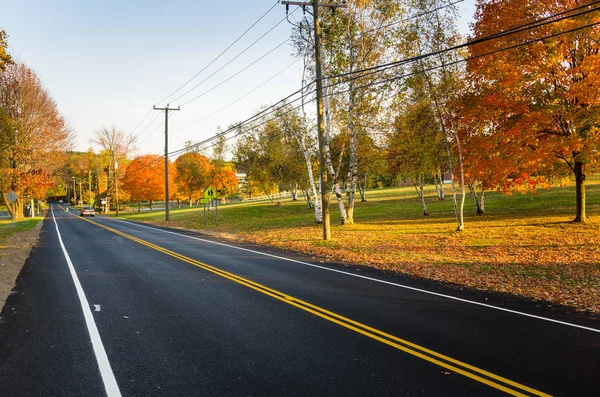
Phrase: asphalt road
(106, 307)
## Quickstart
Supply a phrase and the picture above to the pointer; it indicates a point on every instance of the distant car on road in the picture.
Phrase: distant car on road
(60, 201)
(87, 211)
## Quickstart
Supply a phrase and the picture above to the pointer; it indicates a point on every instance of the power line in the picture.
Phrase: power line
(422, 14)
(517, 29)
(469, 58)
(248, 47)
(237, 73)
(221, 54)
(146, 127)
(140, 123)
(240, 98)
(250, 119)
(152, 132)
(230, 61)
(253, 118)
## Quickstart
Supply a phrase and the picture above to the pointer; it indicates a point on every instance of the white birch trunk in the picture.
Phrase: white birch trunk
(419, 187)
(311, 178)
(330, 169)
(353, 165)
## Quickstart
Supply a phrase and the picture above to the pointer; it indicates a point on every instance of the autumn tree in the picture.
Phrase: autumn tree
(539, 101)
(224, 180)
(144, 178)
(193, 174)
(33, 135)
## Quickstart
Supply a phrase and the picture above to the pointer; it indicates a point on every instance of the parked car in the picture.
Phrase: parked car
(87, 211)
(60, 201)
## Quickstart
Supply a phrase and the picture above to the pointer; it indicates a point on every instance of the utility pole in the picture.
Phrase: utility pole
(90, 187)
(74, 192)
(117, 188)
(166, 109)
(320, 113)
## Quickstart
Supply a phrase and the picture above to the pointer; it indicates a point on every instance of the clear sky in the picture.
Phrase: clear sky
(107, 62)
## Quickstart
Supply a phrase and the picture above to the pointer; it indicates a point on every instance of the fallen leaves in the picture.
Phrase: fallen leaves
(537, 257)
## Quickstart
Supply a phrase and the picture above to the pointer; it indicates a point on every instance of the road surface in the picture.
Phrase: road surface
(107, 307)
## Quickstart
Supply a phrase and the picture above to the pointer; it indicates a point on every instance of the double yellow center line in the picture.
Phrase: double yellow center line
(459, 367)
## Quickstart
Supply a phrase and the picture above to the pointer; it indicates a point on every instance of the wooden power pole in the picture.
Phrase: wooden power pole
(320, 113)
(167, 109)
(117, 188)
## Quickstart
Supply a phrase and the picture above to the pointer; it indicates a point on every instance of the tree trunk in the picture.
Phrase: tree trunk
(17, 206)
(461, 222)
(353, 165)
(441, 194)
(477, 200)
(308, 200)
(334, 179)
(578, 169)
(363, 189)
(311, 179)
(482, 200)
(178, 203)
(459, 217)
(294, 191)
(419, 187)
(150, 205)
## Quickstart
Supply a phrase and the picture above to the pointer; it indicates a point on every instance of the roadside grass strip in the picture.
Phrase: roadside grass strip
(498, 382)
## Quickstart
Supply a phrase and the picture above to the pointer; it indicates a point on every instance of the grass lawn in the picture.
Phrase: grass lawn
(21, 225)
(523, 244)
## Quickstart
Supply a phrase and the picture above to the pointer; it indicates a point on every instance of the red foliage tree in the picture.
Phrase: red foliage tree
(534, 112)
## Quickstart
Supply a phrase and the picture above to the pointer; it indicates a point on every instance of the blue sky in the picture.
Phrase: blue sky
(108, 62)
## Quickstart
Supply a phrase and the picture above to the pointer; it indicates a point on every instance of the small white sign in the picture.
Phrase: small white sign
(12, 196)
(103, 202)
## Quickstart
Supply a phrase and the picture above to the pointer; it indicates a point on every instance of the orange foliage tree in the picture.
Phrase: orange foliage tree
(225, 181)
(145, 178)
(193, 175)
(534, 113)
(33, 135)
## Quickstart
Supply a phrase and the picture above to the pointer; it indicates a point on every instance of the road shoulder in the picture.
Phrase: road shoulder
(14, 251)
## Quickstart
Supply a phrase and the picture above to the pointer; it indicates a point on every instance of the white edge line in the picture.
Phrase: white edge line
(110, 383)
(367, 278)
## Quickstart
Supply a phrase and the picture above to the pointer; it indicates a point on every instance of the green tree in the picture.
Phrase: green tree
(416, 144)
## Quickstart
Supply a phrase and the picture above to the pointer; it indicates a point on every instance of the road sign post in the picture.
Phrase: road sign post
(204, 201)
(211, 194)
(217, 212)
(12, 197)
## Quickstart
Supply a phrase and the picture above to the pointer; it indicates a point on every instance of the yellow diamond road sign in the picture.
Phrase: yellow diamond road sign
(210, 193)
